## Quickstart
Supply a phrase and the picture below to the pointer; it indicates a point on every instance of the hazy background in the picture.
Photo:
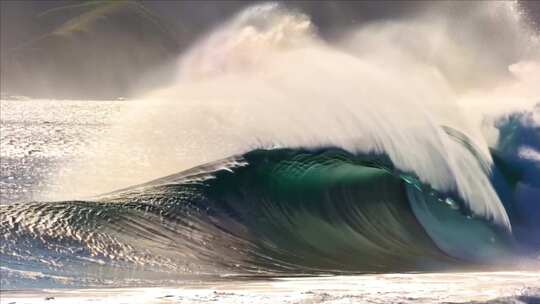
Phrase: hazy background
(111, 49)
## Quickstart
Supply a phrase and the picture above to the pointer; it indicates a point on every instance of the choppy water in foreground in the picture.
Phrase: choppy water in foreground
(488, 287)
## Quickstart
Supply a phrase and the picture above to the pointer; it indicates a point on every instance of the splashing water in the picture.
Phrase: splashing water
(384, 143)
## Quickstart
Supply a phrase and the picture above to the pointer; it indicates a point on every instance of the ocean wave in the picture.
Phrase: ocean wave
(267, 212)
(331, 158)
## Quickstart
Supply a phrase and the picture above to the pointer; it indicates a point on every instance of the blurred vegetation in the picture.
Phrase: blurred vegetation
(101, 50)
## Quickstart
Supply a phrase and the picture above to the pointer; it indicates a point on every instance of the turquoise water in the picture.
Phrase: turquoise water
(279, 212)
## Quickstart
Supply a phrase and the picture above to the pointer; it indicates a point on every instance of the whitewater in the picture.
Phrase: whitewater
(402, 146)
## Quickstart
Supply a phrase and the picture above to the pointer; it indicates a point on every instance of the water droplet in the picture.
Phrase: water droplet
(450, 202)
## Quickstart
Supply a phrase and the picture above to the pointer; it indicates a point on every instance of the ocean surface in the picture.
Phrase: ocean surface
(41, 136)
(395, 162)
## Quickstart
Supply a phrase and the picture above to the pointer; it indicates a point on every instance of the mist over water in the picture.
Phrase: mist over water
(265, 79)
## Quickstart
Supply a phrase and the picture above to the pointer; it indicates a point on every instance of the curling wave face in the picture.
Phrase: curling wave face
(273, 212)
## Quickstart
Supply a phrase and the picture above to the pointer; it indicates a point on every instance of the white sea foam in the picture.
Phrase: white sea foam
(265, 79)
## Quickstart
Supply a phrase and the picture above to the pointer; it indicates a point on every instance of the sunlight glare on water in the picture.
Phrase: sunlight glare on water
(39, 136)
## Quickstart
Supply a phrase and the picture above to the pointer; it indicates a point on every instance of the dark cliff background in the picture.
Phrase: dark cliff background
(110, 49)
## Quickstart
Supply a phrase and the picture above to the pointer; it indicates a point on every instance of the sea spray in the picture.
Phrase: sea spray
(265, 79)
(290, 154)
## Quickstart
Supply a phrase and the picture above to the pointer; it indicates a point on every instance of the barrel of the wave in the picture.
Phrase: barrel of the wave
(327, 210)
(323, 211)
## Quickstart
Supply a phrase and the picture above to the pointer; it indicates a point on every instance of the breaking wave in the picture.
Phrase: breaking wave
(336, 157)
